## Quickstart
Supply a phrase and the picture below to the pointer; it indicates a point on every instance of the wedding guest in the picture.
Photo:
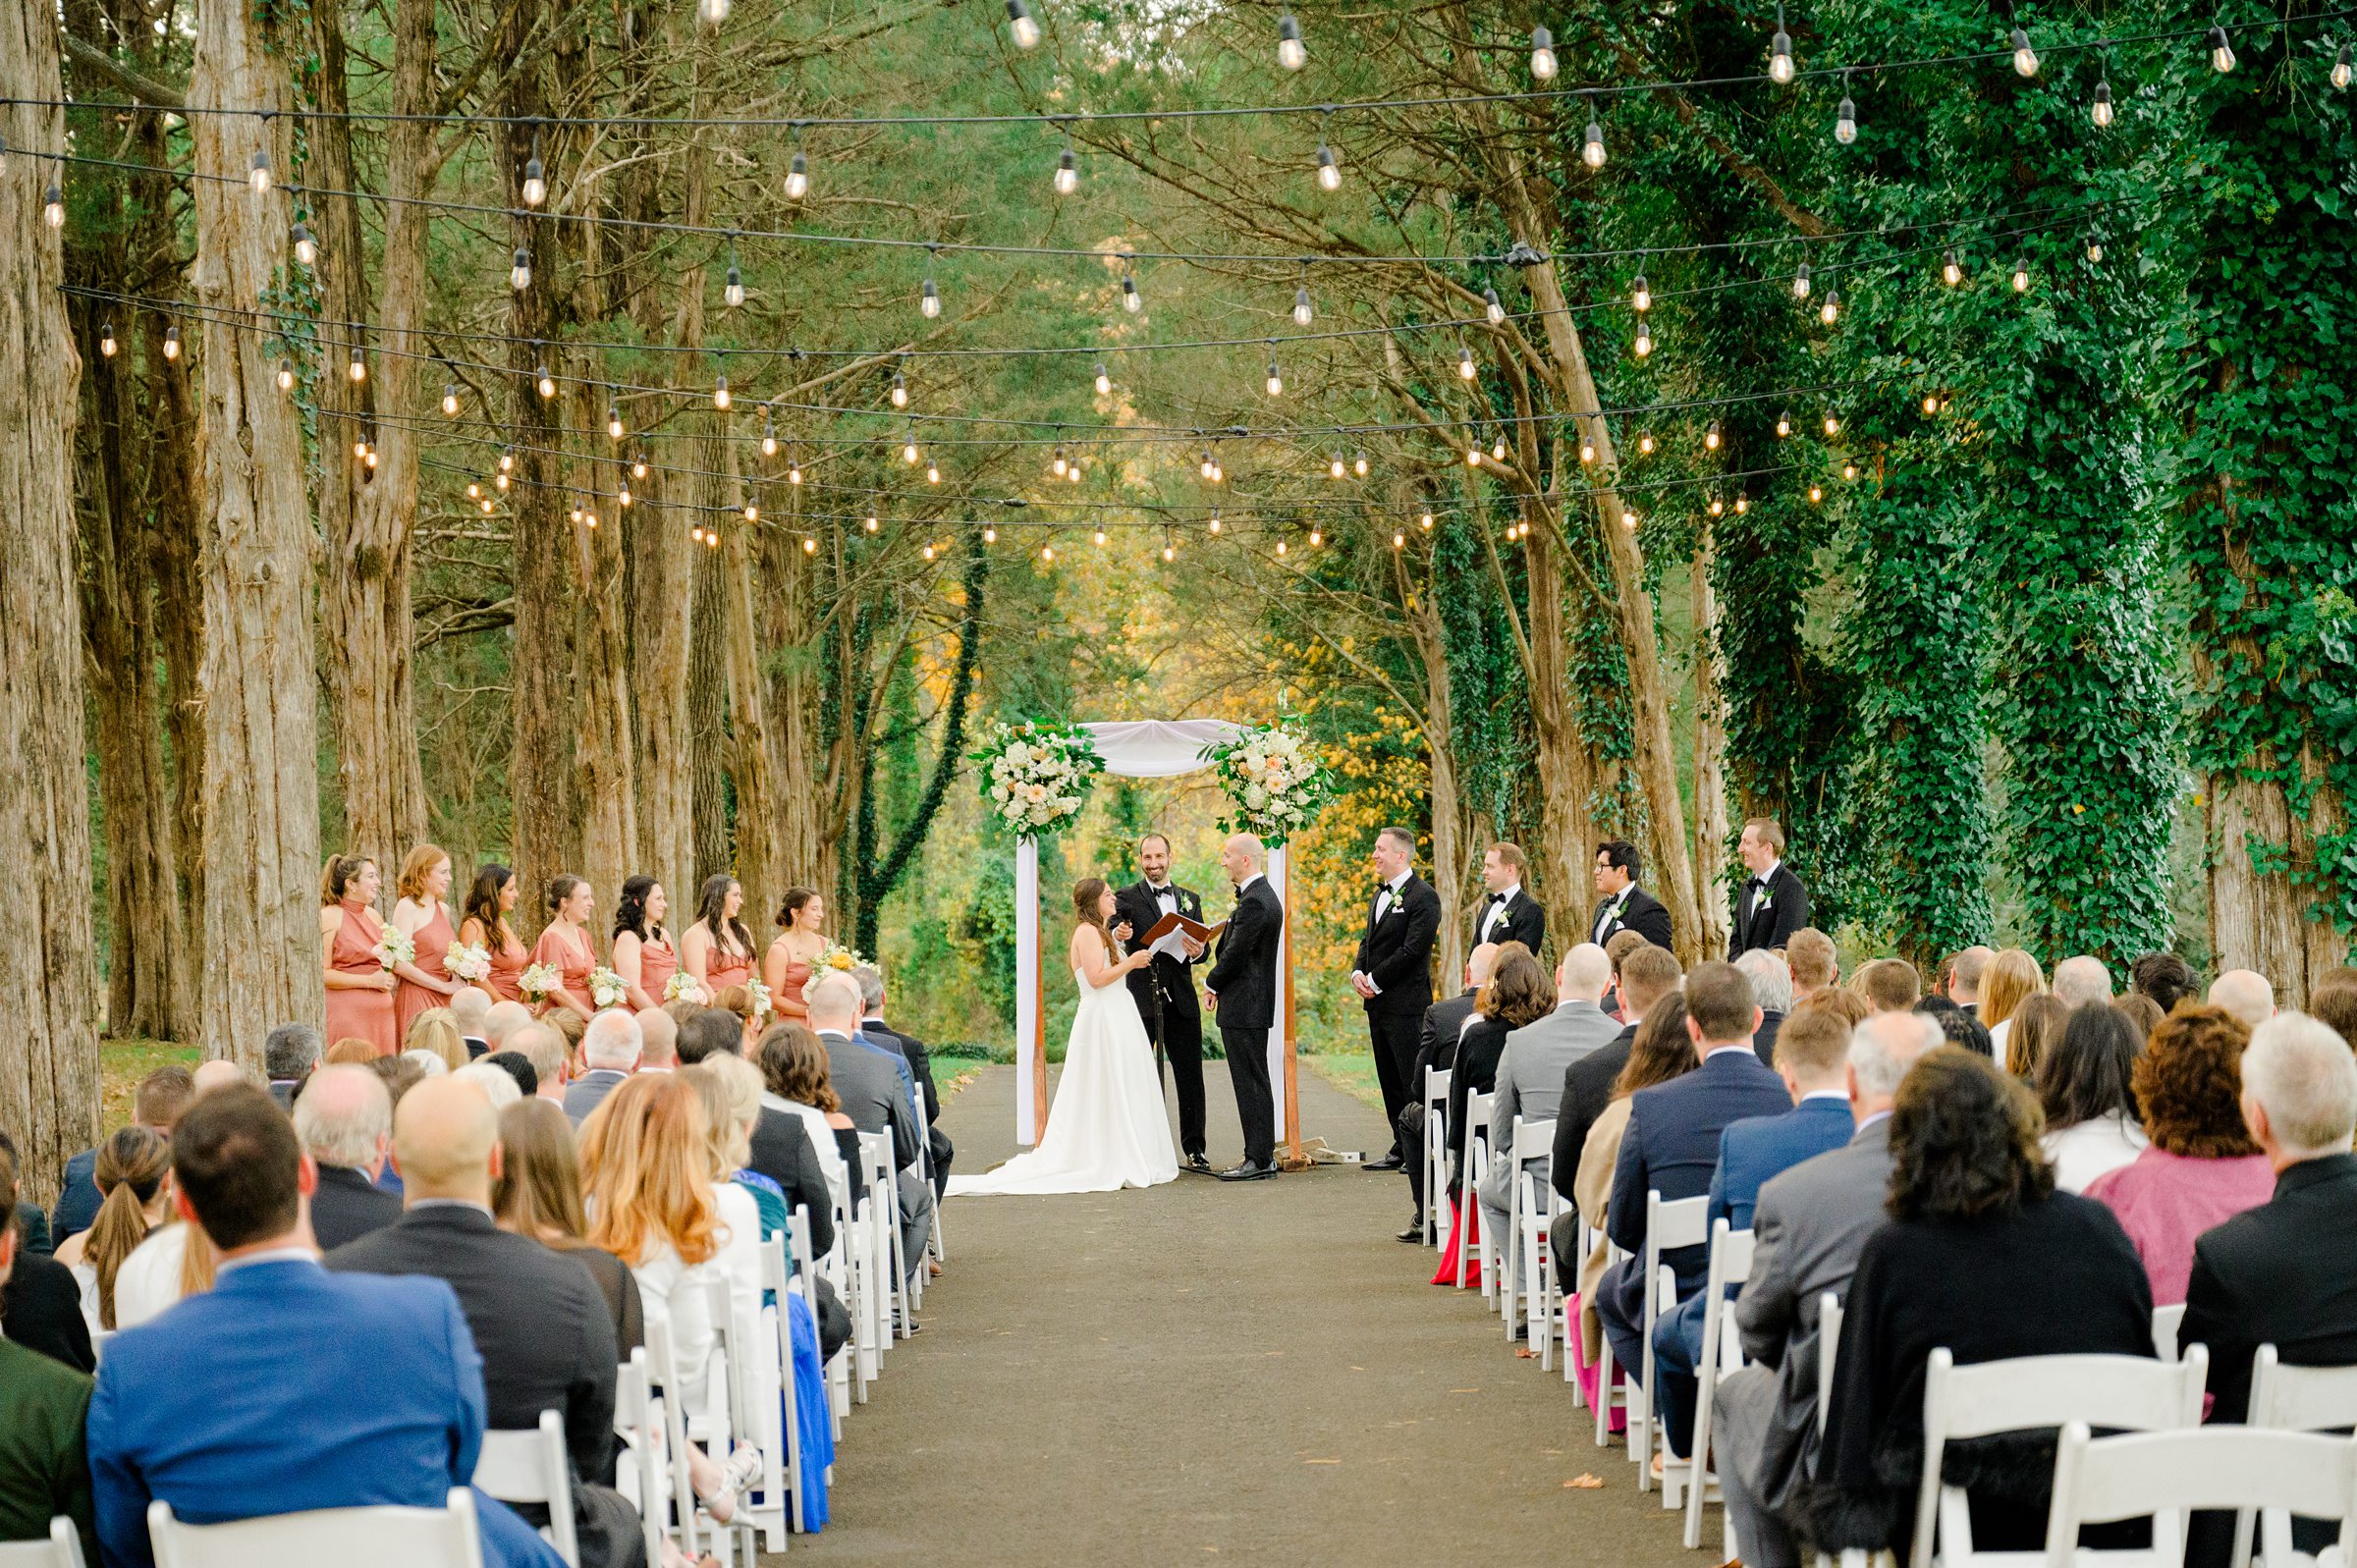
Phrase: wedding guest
(611, 1046)
(1771, 904)
(1621, 904)
(2246, 995)
(564, 943)
(717, 950)
(1519, 993)
(736, 1202)
(485, 925)
(794, 1082)
(1983, 1256)
(2201, 1168)
(175, 1261)
(1771, 987)
(1659, 1052)
(290, 1054)
(708, 1032)
(1530, 1073)
(658, 1041)
(345, 1120)
(2333, 1003)
(437, 1032)
(2141, 1011)
(499, 1087)
(2082, 979)
(642, 949)
(225, 1406)
(1393, 976)
(1845, 1004)
(360, 988)
(155, 1103)
(1961, 1027)
(43, 1472)
(514, 1066)
(2037, 1023)
(2012, 976)
(430, 1063)
(132, 1172)
(544, 1049)
(2086, 1086)
(876, 1092)
(1508, 914)
(1890, 984)
(1816, 967)
(1647, 975)
(737, 1002)
(352, 1053)
(1623, 944)
(1444, 1022)
(570, 1027)
(940, 1153)
(1965, 972)
(421, 913)
(785, 967)
(502, 1022)
(469, 1012)
(2166, 978)
(537, 1193)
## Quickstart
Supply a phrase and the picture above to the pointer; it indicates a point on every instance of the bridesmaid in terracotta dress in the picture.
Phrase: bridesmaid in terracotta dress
(642, 951)
(717, 950)
(564, 942)
(785, 967)
(485, 926)
(359, 988)
(422, 915)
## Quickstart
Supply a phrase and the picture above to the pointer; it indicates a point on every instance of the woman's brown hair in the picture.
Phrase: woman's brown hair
(791, 906)
(1965, 1141)
(1085, 893)
(2188, 1081)
(736, 1000)
(337, 876)
(2013, 975)
(1518, 991)
(540, 1185)
(643, 1178)
(2037, 1025)
(411, 884)
(131, 1171)
(1661, 1050)
(793, 1066)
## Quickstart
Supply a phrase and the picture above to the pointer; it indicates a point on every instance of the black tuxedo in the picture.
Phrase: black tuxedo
(1396, 954)
(1643, 914)
(1523, 921)
(1771, 927)
(346, 1207)
(921, 1064)
(1243, 977)
(1166, 1000)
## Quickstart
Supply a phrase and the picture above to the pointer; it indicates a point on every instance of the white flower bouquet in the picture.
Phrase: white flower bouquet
(470, 961)
(606, 989)
(1035, 777)
(760, 995)
(539, 981)
(1276, 782)
(395, 948)
(684, 986)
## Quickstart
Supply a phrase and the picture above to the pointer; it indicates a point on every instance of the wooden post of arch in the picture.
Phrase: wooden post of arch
(1039, 1044)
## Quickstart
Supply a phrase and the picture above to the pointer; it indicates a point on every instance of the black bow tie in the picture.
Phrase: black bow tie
(1757, 881)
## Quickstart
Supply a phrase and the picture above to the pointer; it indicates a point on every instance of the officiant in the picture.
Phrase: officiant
(1164, 991)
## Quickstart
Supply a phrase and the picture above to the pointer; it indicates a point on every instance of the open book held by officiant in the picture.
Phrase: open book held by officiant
(1171, 932)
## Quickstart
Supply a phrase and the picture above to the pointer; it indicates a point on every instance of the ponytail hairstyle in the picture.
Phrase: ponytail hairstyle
(791, 906)
(560, 888)
(482, 903)
(710, 899)
(132, 1166)
(630, 909)
(338, 875)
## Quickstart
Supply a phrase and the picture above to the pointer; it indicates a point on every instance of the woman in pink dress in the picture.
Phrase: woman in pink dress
(421, 914)
(564, 942)
(359, 988)
(717, 950)
(642, 951)
(785, 967)
(485, 926)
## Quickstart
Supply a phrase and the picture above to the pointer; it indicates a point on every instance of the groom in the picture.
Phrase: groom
(1242, 989)
(1164, 993)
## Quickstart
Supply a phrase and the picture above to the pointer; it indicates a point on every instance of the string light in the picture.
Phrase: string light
(2026, 58)
(535, 180)
(1742, 505)
(1330, 171)
(1542, 54)
(506, 460)
(932, 473)
(928, 300)
(614, 421)
(1303, 314)
(2102, 111)
(1645, 441)
(1398, 541)
(1833, 424)
(1280, 544)
(638, 466)
(359, 368)
(899, 390)
(928, 552)
(53, 207)
(1591, 147)
(171, 343)
(810, 544)
(1101, 537)
(1628, 519)
(1132, 300)
(1333, 466)
(1026, 32)
(1784, 425)
(2221, 53)
(1169, 554)
(2095, 247)
(306, 249)
(1425, 522)
(1644, 343)
(1641, 294)
(908, 452)
(1711, 437)
(1849, 470)
(1465, 364)
(714, 12)
(1845, 117)
(1473, 454)
(259, 175)
(990, 536)
(1831, 311)
(520, 276)
(2021, 276)
(1358, 464)
(1931, 403)
(1490, 305)
(1816, 494)
(1951, 269)
(794, 471)
(1273, 381)
(622, 493)
(1779, 51)
(1316, 538)
(1587, 449)
(720, 390)
(1047, 551)
(872, 523)
(797, 176)
(1215, 522)
(1717, 507)
(2342, 68)
(1068, 173)
(1290, 52)
(1800, 282)
(732, 292)
(450, 400)
(1057, 464)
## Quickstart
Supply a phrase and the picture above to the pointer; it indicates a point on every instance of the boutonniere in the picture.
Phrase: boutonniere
(1767, 900)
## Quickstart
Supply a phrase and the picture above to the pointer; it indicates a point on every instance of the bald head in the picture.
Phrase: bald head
(1583, 974)
(1880, 1050)
(1480, 962)
(446, 1141)
(544, 1049)
(502, 1021)
(1241, 856)
(833, 1004)
(2246, 994)
(661, 1034)
(343, 1119)
(469, 1007)
(2081, 979)
(215, 1074)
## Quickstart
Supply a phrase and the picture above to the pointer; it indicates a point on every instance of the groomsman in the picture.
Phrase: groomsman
(1510, 914)
(1772, 904)
(1624, 905)
(1393, 973)
(1164, 993)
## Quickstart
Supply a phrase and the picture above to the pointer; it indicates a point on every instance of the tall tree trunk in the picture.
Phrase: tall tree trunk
(1566, 775)
(262, 824)
(179, 533)
(2258, 914)
(707, 686)
(603, 778)
(761, 850)
(662, 625)
(1451, 872)
(1710, 756)
(49, 980)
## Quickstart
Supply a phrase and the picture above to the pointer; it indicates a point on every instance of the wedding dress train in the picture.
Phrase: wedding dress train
(1107, 1128)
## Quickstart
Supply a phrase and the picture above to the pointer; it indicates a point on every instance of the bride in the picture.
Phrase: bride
(1107, 1128)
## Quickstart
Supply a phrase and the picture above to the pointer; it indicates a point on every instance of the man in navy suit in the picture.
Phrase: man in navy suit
(284, 1388)
(1672, 1146)
(1812, 1057)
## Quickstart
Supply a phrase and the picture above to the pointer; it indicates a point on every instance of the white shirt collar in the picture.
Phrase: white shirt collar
(873, 1017)
(1246, 886)
(1509, 894)
(1842, 1095)
(1722, 1048)
(1401, 880)
(1772, 867)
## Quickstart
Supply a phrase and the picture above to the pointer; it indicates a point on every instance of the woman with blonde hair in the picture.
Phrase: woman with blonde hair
(132, 1172)
(421, 913)
(2014, 976)
(435, 1030)
(360, 988)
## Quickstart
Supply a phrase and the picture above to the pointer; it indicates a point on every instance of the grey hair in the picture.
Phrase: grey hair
(871, 986)
(1884, 1046)
(2303, 1074)
(1770, 979)
(2082, 979)
(836, 997)
(291, 1050)
(613, 1041)
(343, 1114)
(426, 1061)
(496, 1082)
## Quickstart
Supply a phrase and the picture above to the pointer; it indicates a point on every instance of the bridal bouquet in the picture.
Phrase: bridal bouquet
(759, 993)
(1036, 776)
(1274, 782)
(395, 948)
(684, 986)
(835, 955)
(466, 961)
(606, 989)
(539, 981)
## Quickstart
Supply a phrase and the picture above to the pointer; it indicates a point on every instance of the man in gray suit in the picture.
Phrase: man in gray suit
(1810, 1225)
(610, 1047)
(1530, 1073)
(879, 1097)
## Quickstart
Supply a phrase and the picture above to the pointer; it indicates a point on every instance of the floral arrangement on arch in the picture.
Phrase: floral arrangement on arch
(1036, 776)
(1276, 782)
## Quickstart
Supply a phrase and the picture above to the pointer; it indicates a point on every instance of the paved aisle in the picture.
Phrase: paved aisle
(1255, 1371)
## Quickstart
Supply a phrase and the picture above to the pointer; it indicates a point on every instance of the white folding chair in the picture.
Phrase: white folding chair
(806, 1274)
(2162, 1475)
(533, 1466)
(670, 1411)
(1669, 1224)
(1828, 1348)
(1584, 1240)
(1722, 1352)
(730, 1415)
(1541, 1292)
(641, 1427)
(1531, 1140)
(2165, 1323)
(379, 1537)
(62, 1548)
(2291, 1399)
(2128, 1393)
(1611, 1391)
(1473, 1247)
(777, 1278)
(1436, 1153)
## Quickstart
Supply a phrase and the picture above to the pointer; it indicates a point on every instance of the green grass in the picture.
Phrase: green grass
(122, 1064)
(1350, 1071)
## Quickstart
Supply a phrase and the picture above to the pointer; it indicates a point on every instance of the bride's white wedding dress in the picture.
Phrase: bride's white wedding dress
(1106, 1127)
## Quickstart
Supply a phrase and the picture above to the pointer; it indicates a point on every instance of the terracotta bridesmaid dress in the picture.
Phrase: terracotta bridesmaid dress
(658, 961)
(508, 960)
(354, 1014)
(572, 957)
(789, 1003)
(723, 968)
(433, 939)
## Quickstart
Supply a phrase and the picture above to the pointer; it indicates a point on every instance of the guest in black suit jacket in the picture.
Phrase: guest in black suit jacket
(1393, 972)
(1508, 914)
(344, 1119)
(1241, 989)
(1165, 990)
(539, 1321)
(1621, 904)
(939, 1150)
(1519, 991)
(1444, 1024)
(1772, 904)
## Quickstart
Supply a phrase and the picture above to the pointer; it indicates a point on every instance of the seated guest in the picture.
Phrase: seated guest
(1530, 1072)
(1959, 1027)
(1672, 1146)
(570, 1026)
(611, 1046)
(707, 1032)
(350, 1052)
(1619, 946)
(225, 1405)
(429, 1063)
(434, 1030)
(156, 1105)
(658, 1041)
(2087, 1087)
(940, 1151)
(1518, 994)
(1966, 970)
(518, 1069)
(40, 1302)
(43, 1473)
(2201, 1168)
(1890, 984)
(1660, 1053)
(794, 1081)
(1808, 1227)
(344, 1119)
(2246, 995)
(537, 1193)
(2333, 1003)
(1444, 1021)
(544, 1049)
(2036, 1025)
(471, 1011)
(2141, 1011)
(1843, 1003)
(2166, 978)
(737, 1002)
(1647, 975)
(1772, 987)
(502, 1021)
(2082, 979)
(288, 1054)
(1985, 1257)
(132, 1167)
(879, 1097)
(780, 1163)
(498, 1085)
(2013, 975)
(538, 1320)
(1816, 968)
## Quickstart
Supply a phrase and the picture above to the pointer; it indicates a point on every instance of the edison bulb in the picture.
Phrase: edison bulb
(1783, 427)
(1358, 464)
(359, 366)
(2026, 58)
(613, 420)
(2021, 277)
(2095, 248)
(638, 467)
(1800, 282)
(1951, 270)
(1641, 294)
(306, 249)
(1591, 150)
(548, 385)
(932, 474)
(106, 340)
(1273, 381)
(171, 343)
(797, 176)
(1330, 172)
(1289, 53)
(1542, 54)
(1645, 441)
(1831, 311)
(535, 183)
(2103, 104)
(720, 391)
(899, 390)
(1068, 173)
(1104, 380)
(1845, 123)
(1833, 424)
(53, 207)
(1587, 449)
(872, 523)
(769, 442)
(520, 276)
(1465, 364)
(714, 12)
(1779, 57)
(1493, 307)
(1333, 466)
(1057, 464)
(1303, 314)
(450, 398)
(732, 292)
(929, 301)
(1644, 343)
(259, 175)
(2341, 68)
(2221, 53)
(1132, 300)
(1020, 25)
(1711, 437)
